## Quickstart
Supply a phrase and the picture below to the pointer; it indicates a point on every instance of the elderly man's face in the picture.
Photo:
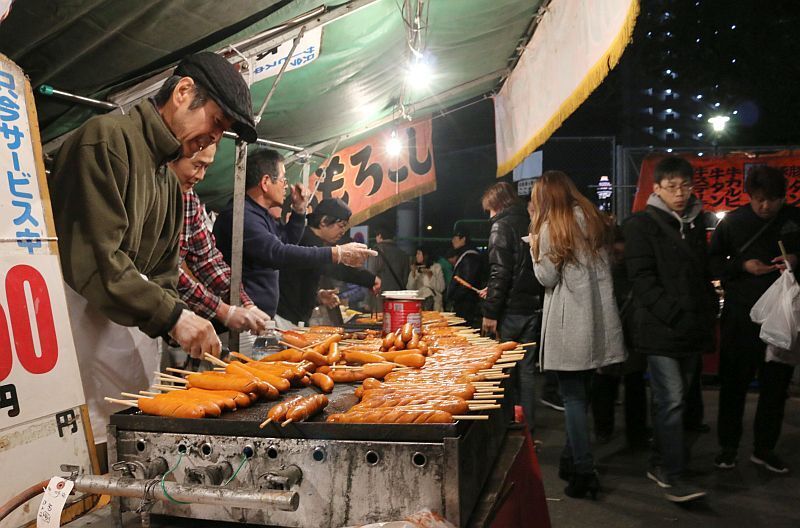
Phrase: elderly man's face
(191, 171)
(196, 128)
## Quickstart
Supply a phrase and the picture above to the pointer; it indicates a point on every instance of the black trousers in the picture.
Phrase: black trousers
(742, 358)
(604, 395)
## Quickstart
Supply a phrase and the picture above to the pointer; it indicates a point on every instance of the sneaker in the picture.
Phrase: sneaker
(683, 492)
(770, 461)
(726, 460)
(656, 474)
(553, 401)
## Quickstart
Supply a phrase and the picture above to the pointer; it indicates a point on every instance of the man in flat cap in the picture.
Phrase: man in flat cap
(299, 288)
(118, 215)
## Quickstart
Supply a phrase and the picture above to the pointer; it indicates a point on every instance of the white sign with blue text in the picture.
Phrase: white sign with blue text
(269, 63)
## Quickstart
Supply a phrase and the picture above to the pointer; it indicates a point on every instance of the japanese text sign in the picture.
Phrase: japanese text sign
(269, 63)
(718, 181)
(21, 213)
(371, 180)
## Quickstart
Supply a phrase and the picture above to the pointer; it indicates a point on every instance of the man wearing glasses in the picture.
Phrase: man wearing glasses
(299, 288)
(269, 245)
(666, 259)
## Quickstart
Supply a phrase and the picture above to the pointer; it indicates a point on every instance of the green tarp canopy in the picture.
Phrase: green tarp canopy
(98, 48)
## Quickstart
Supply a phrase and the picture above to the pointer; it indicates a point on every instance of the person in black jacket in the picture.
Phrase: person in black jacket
(468, 265)
(746, 256)
(512, 309)
(667, 262)
(391, 264)
(299, 287)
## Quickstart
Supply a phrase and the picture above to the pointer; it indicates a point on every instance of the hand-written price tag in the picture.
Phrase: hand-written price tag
(53, 501)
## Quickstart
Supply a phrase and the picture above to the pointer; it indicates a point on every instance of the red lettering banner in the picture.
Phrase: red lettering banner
(719, 180)
(371, 180)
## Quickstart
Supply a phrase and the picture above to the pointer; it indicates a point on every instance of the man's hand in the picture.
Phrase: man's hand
(300, 197)
(781, 265)
(756, 267)
(352, 254)
(241, 319)
(195, 335)
(489, 327)
(328, 298)
(376, 288)
(262, 316)
(484, 293)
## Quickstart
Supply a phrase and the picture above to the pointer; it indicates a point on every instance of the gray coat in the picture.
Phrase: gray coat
(581, 329)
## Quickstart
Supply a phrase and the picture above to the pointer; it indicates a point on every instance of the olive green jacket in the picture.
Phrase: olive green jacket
(118, 213)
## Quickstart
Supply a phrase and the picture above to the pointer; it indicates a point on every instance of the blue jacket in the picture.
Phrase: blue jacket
(268, 247)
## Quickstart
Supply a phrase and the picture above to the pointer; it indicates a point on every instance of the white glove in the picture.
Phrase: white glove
(352, 254)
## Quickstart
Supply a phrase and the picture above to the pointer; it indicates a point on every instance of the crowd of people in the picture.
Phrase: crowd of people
(605, 305)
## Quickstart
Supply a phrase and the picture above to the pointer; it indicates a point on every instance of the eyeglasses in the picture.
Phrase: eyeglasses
(673, 189)
(281, 181)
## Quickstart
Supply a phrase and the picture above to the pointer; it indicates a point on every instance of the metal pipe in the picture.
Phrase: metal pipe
(285, 65)
(46, 89)
(266, 142)
(229, 498)
(237, 233)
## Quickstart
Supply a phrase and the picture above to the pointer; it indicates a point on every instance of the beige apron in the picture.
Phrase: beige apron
(112, 359)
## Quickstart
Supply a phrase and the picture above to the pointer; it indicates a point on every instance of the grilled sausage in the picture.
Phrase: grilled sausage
(171, 407)
(307, 407)
(221, 381)
(323, 381)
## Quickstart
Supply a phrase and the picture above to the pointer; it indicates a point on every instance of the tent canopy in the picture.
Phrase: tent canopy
(356, 81)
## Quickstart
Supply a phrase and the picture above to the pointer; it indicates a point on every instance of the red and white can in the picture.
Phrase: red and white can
(400, 310)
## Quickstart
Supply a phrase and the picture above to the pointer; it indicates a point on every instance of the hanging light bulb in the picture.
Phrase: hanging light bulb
(419, 73)
(393, 145)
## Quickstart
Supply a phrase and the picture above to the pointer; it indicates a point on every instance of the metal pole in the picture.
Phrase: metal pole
(237, 234)
(46, 89)
(285, 64)
(217, 496)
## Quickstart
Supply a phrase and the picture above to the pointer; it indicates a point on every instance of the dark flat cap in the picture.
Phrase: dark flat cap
(334, 207)
(226, 86)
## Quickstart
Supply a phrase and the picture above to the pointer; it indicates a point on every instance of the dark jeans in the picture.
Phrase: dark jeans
(575, 389)
(523, 329)
(741, 358)
(604, 395)
(670, 379)
(694, 413)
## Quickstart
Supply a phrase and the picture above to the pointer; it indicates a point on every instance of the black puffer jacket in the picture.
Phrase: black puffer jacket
(513, 288)
(675, 303)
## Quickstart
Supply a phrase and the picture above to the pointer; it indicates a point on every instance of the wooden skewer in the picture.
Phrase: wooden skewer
(167, 376)
(167, 388)
(215, 360)
(470, 417)
(149, 393)
(244, 358)
(180, 371)
(484, 407)
(180, 381)
(465, 284)
(287, 422)
(486, 396)
(219, 369)
(497, 377)
(131, 395)
(527, 344)
(129, 403)
(264, 423)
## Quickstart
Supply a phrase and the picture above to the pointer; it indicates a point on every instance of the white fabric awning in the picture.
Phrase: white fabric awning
(572, 50)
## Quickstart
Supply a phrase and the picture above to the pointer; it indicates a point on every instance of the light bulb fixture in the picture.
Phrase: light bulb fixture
(418, 74)
(430, 228)
(718, 122)
(393, 145)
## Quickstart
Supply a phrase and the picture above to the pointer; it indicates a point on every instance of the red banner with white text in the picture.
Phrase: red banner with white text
(372, 180)
(719, 180)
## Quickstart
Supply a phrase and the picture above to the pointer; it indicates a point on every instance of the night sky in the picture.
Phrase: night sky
(741, 57)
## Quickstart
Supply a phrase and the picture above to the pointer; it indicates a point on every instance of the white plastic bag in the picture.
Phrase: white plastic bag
(778, 311)
(780, 355)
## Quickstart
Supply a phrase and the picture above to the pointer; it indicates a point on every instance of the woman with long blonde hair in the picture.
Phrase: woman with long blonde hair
(581, 330)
